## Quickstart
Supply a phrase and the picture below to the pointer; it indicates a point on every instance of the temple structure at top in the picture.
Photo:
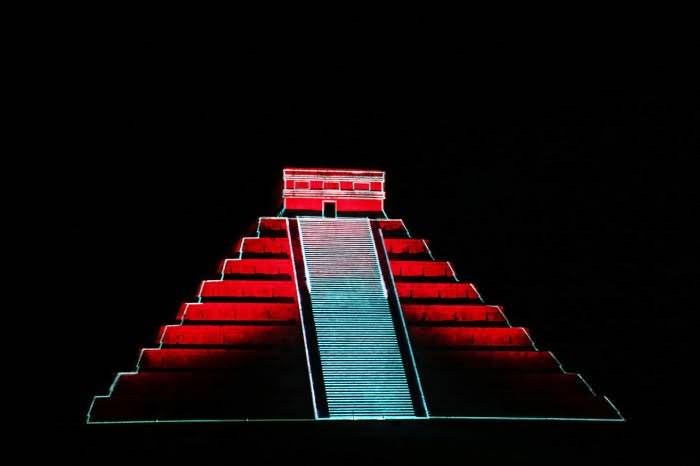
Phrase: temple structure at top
(333, 192)
(331, 310)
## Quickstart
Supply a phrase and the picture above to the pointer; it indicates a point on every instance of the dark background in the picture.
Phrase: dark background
(555, 174)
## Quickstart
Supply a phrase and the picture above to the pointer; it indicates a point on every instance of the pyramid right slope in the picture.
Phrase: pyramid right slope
(471, 361)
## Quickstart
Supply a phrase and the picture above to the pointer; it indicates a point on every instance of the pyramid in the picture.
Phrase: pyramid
(334, 311)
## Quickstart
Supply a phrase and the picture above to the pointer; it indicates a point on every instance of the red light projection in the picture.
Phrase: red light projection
(225, 335)
(239, 311)
(248, 289)
(278, 246)
(495, 360)
(421, 268)
(238, 352)
(452, 313)
(405, 246)
(436, 290)
(193, 359)
(472, 362)
(357, 191)
(468, 336)
(258, 267)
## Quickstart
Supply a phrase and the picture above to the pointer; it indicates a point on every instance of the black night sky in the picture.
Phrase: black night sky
(555, 175)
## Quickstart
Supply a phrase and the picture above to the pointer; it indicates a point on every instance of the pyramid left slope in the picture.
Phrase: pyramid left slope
(236, 353)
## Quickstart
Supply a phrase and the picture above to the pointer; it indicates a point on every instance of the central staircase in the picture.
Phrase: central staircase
(361, 362)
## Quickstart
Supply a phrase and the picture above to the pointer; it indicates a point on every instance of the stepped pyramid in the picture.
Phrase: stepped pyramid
(333, 311)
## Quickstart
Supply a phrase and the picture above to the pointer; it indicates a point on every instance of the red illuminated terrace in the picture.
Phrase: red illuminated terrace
(333, 311)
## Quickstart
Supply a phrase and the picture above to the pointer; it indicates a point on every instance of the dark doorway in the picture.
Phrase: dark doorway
(329, 209)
